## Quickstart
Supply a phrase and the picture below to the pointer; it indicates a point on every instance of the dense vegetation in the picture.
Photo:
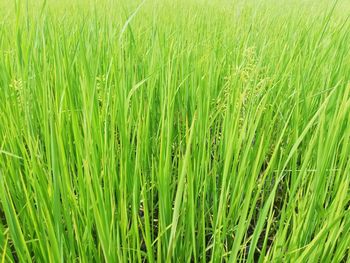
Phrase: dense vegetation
(178, 131)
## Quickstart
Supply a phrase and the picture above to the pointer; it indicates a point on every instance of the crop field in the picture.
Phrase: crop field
(175, 131)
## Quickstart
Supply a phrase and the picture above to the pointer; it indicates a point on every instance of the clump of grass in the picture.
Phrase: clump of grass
(176, 131)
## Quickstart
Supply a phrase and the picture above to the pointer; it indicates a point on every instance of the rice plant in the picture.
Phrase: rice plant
(174, 131)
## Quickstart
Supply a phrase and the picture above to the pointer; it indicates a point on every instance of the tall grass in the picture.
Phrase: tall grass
(174, 131)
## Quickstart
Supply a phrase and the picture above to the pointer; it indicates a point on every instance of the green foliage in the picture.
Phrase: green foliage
(174, 131)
